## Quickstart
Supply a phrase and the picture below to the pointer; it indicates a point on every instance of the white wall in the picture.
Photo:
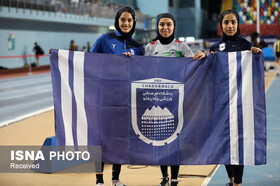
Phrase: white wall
(24, 43)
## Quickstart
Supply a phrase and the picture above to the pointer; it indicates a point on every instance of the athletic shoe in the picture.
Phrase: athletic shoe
(278, 73)
(174, 183)
(117, 183)
(100, 184)
(164, 182)
(229, 184)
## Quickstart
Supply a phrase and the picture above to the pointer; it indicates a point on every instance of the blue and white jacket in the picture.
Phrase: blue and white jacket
(225, 45)
(114, 43)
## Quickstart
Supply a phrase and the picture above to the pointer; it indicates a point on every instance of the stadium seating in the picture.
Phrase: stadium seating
(92, 8)
(247, 10)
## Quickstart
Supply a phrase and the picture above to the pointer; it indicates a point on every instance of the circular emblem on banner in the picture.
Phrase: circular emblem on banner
(157, 110)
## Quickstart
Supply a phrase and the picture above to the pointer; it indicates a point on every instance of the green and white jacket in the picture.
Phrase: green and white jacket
(173, 49)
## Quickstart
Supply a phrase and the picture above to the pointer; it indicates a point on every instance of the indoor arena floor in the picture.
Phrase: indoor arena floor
(30, 97)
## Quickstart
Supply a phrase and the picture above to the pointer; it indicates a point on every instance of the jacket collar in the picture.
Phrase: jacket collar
(120, 35)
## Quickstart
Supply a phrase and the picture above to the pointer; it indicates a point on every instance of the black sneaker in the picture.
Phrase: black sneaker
(164, 182)
(229, 184)
(174, 183)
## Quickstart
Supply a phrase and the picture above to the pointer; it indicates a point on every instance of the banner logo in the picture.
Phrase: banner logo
(157, 110)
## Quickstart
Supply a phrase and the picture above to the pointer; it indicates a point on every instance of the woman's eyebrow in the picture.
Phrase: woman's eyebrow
(166, 22)
(125, 18)
(229, 20)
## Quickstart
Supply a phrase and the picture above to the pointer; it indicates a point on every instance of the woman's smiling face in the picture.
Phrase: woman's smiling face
(126, 22)
(229, 24)
(165, 27)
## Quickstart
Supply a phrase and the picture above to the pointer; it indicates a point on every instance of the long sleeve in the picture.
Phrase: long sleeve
(148, 50)
(98, 45)
(187, 51)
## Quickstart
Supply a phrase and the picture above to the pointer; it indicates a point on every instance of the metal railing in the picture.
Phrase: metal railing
(93, 8)
(27, 64)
